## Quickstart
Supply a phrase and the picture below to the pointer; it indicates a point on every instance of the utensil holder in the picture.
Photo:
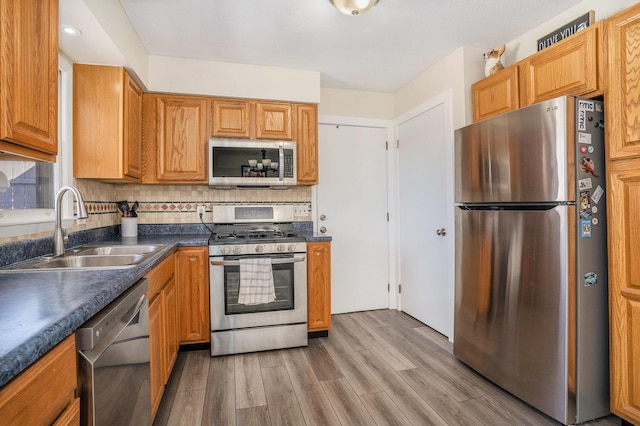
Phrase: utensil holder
(129, 227)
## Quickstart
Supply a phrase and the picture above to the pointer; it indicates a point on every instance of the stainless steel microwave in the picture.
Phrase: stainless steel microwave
(234, 162)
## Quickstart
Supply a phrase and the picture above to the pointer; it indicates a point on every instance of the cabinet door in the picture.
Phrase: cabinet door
(622, 94)
(569, 67)
(496, 94)
(622, 106)
(43, 391)
(232, 118)
(192, 274)
(132, 149)
(319, 286)
(170, 300)
(156, 352)
(181, 141)
(624, 287)
(273, 120)
(29, 78)
(307, 144)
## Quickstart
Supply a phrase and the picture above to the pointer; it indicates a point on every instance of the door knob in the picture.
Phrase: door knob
(323, 230)
(323, 217)
(442, 232)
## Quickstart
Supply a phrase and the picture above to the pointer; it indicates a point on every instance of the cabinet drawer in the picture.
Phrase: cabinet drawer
(44, 390)
(160, 275)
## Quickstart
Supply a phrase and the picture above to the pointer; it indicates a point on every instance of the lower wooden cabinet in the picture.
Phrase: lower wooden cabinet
(192, 272)
(319, 286)
(163, 326)
(44, 393)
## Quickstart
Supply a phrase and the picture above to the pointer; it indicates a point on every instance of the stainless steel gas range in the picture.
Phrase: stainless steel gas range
(258, 280)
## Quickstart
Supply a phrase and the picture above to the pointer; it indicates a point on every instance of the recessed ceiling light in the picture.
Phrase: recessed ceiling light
(68, 29)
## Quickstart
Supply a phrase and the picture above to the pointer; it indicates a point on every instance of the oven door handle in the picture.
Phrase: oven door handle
(273, 261)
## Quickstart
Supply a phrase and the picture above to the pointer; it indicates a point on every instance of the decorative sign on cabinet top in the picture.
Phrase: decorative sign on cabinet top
(566, 30)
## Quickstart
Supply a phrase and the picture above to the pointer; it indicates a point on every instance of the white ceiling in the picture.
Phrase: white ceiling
(379, 51)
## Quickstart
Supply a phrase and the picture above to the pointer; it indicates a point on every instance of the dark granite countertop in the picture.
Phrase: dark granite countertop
(39, 309)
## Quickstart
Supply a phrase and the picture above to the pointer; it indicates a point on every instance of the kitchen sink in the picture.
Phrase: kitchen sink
(116, 250)
(91, 261)
(90, 257)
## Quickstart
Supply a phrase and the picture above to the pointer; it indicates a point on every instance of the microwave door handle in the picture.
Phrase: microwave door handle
(273, 261)
(281, 163)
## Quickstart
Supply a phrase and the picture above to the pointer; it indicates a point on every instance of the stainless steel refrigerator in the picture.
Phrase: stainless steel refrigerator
(531, 256)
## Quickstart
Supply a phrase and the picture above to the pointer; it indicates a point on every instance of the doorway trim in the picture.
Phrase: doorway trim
(388, 125)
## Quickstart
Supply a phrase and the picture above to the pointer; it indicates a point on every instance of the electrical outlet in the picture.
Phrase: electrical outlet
(201, 212)
(300, 210)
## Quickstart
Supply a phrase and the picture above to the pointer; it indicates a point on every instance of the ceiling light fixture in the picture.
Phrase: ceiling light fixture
(68, 29)
(354, 7)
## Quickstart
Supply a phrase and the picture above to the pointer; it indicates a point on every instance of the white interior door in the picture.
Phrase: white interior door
(351, 205)
(426, 206)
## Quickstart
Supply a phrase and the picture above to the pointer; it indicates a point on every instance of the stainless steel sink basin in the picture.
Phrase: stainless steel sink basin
(91, 261)
(119, 250)
(90, 257)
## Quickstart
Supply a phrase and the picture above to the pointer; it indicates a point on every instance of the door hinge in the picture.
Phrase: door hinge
(386, 145)
(399, 288)
(398, 143)
(387, 216)
(388, 288)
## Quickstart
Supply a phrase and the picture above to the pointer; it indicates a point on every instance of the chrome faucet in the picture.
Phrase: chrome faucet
(59, 233)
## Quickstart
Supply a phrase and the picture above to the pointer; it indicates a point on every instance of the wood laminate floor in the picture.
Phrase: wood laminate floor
(375, 368)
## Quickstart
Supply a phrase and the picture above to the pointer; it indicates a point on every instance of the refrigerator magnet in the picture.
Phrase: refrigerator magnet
(597, 194)
(585, 226)
(590, 278)
(584, 138)
(585, 184)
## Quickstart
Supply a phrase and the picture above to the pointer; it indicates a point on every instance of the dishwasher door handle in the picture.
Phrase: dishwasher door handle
(273, 261)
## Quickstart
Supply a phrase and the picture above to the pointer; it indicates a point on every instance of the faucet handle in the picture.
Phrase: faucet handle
(65, 237)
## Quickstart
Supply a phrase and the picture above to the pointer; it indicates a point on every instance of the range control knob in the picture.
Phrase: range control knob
(292, 247)
(237, 250)
(280, 247)
(259, 249)
(226, 250)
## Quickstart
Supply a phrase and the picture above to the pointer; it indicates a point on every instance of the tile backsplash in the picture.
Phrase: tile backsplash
(171, 204)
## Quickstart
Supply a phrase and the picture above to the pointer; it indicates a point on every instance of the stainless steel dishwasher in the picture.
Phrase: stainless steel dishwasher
(113, 362)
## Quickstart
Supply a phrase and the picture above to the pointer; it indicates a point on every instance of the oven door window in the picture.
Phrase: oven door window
(283, 282)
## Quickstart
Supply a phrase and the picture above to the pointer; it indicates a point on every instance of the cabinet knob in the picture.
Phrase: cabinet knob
(323, 230)
(323, 217)
(442, 232)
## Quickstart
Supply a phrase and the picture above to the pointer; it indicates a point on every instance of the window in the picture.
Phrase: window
(26, 206)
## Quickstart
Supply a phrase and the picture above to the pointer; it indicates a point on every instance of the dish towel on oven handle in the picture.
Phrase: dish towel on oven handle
(256, 282)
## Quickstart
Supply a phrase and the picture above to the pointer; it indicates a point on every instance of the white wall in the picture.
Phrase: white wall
(527, 44)
(354, 103)
(448, 73)
(192, 76)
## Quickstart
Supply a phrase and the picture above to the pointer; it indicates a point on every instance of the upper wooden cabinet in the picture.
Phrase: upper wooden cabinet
(232, 118)
(622, 95)
(29, 78)
(496, 94)
(307, 144)
(573, 66)
(107, 124)
(175, 139)
(236, 118)
(273, 121)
